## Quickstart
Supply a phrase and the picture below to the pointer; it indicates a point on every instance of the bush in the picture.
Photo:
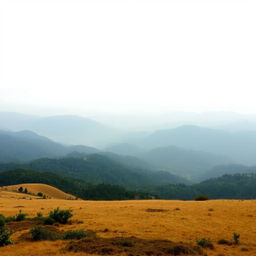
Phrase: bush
(205, 243)
(2, 222)
(39, 215)
(76, 234)
(20, 189)
(236, 237)
(20, 216)
(4, 232)
(4, 237)
(10, 219)
(49, 221)
(201, 198)
(61, 216)
(40, 194)
(39, 233)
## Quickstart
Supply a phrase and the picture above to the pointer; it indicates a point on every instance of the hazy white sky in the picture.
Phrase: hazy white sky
(121, 56)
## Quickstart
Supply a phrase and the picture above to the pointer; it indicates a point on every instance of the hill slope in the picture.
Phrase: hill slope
(97, 168)
(35, 188)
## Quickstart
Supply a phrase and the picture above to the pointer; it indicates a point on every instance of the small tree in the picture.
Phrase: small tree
(25, 190)
(61, 216)
(20, 189)
(236, 237)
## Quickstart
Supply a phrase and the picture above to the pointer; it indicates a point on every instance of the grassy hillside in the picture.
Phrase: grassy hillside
(35, 188)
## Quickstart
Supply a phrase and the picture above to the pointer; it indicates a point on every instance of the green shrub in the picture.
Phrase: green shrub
(76, 234)
(40, 194)
(20, 216)
(39, 215)
(4, 232)
(49, 221)
(2, 222)
(205, 243)
(61, 216)
(10, 219)
(201, 198)
(39, 233)
(5, 237)
(20, 189)
(236, 237)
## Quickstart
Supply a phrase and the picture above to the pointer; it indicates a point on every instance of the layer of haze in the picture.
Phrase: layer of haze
(80, 57)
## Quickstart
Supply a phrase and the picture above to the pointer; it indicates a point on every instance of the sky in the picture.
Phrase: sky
(127, 56)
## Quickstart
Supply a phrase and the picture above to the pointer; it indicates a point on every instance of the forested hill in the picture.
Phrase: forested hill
(235, 186)
(96, 169)
(78, 188)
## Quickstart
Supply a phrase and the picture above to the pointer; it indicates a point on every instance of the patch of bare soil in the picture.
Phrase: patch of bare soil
(156, 210)
(22, 225)
(132, 246)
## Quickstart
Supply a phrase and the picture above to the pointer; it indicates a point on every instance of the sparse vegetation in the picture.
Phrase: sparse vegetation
(76, 234)
(40, 233)
(205, 243)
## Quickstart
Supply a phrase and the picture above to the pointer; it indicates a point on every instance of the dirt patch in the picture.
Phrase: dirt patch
(22, 225)
(156, 210)
(132, 246)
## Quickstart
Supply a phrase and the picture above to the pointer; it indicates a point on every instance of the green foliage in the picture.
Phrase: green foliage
(5, 237)
(201, 198)
(49, 221)
(2, 222)
(4, 232)
(236, 238)
(76, 234)
(61, 216)
(39, 233)
(20, 216)
(205, 243)
(20, 189)
(39, 215)
(78, 187)
(40, 194)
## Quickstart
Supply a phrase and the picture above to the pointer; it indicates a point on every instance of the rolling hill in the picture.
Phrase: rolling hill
(35, 188)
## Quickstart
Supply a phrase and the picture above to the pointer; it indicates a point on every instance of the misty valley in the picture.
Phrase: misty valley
(176, 163)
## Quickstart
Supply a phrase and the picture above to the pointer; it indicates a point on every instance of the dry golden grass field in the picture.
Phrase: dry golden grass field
(148, 220)
(34, 188)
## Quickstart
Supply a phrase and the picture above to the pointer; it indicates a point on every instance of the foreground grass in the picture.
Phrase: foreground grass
(166, 220)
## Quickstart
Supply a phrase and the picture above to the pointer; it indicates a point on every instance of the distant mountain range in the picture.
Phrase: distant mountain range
(65, 129)
(239, 147)
(26, 145)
